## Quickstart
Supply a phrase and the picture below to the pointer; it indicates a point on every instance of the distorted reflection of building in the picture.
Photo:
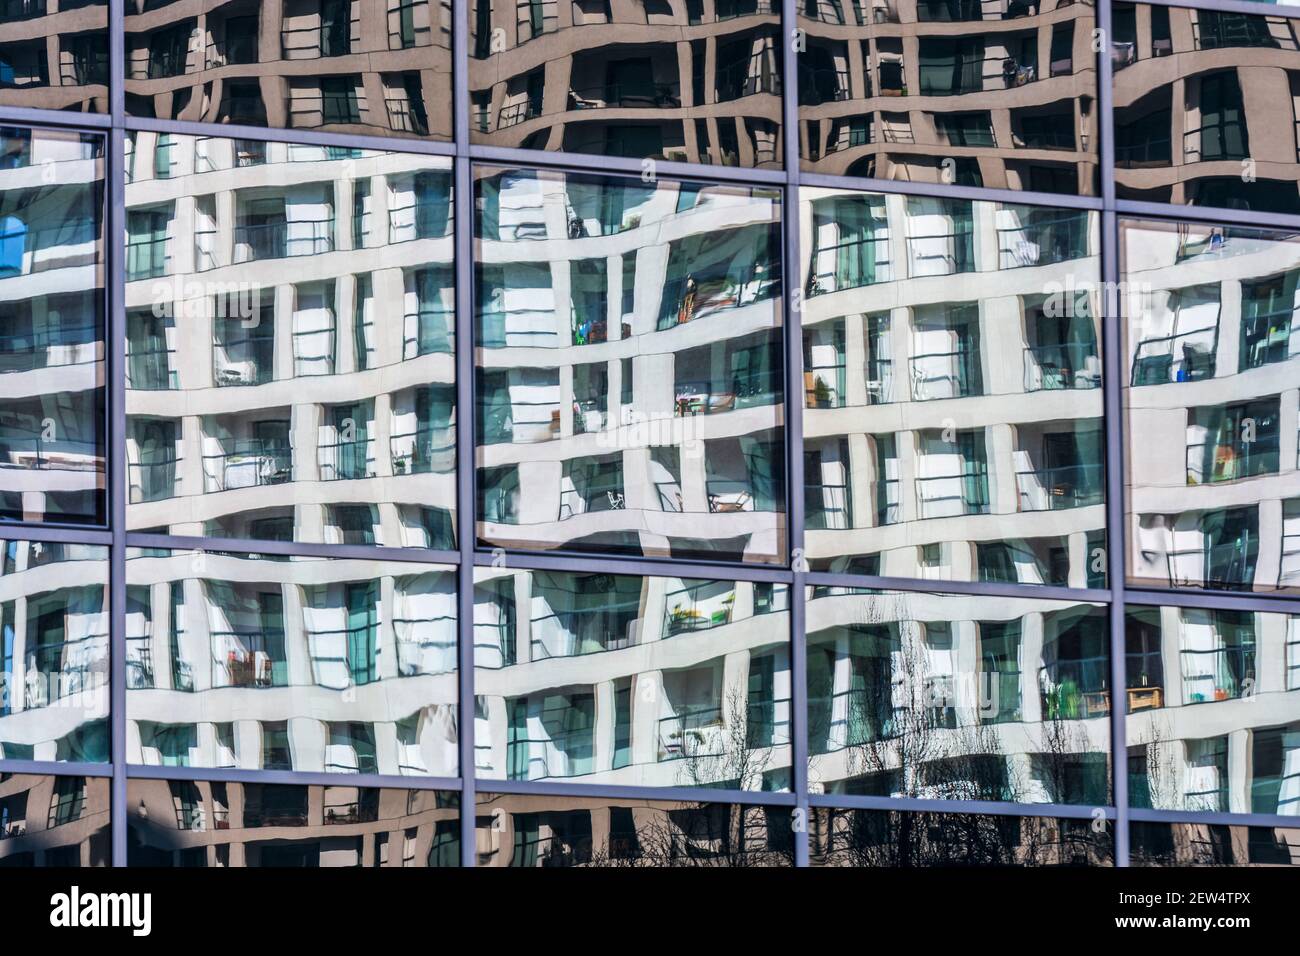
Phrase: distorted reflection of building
(962, 697)
(552, 831)
(629, 367)
(54, 821)
(897, 838)
(290, 323)
(183, 823)
(51, 327)
(1212, 844)
(54, 54)
(335, 666)
(1214, 710)
(952, 389)
(638, 681)
(1205, 108)
(1213, 347)
(695, 82)
(998, 93)
(346, 66)
(54, 635)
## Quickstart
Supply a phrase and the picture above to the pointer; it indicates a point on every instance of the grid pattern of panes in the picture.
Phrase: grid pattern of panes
(604, 432)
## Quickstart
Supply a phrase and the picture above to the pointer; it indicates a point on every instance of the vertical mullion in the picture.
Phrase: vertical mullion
(463, 252)
(115, 448)
(791, 273)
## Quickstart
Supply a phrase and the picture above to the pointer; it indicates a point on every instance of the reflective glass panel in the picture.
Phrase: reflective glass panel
(1213, 710)
(54, 821)
(378, 68)
(1205, 107)
(290, 317)
(958, 697)
(54, 629)
(527, 831)
(54, 54)
(695, 82)
(635, 681)
(897, 838)
(952, 389)
(51, 327)
(198, 823)
(630, 373)
(999, 93)
(1211, 396)
(1211, 844)
(258, 663)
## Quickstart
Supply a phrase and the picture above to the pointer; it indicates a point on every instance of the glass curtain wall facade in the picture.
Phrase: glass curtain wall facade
(630, 433)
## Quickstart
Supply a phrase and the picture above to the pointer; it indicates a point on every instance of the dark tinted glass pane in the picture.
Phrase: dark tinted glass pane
(54, 821)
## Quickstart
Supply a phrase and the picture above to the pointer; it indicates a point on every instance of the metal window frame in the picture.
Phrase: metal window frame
(468, 555)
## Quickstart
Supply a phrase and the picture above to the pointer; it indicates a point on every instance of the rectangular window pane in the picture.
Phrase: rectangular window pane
(640, 81)
(952, 427)
(54, 55)
(1211, 345)
(54, 626)
(693, 465)
(342, 66)
(54, 821)
(525, 831)
(953, 697)
(634, 681)
(182, 823)
(319, 665)
(51, 327)
(290, 315)
(1007, 104)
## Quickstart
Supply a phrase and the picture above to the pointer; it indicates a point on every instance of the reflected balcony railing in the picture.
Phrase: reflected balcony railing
(147, 258)
(1060, 487)
(248, 464)
(85, 68)
(56, 671)
(607, 496)
(1041, 241)
(686, 611)
(694, 732)
(431, 333)
(566, 754)
(583, 631)
(940, 375)
(626, 96)
(1223, 673)
(154, 480)
(738, 80)
(139, 664)
(406, 115)
(1075, 689)
(1221, 567)
(589, 415)
(512, 114)
(767, 723)
(823, 85)
(1053, 367)
(729, 495)
(232, 48)
(962, 493)
(846, 719)
(1210, 463)
(357, 654)
(346, 460)
(494, 644)
(283, 239)
(942, 254)
(243, 359)
(428, 449)
(733, 10)
(56, 347)
(827, 507)
(425, 645)
(1272, 336)
(247, 667)
(880, 381)
(321, 40)
(888, 509)
(1181, 357)
(34, 452)
(824, 385)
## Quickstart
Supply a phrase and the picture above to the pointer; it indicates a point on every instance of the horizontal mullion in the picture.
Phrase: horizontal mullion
(306, 549)
(1209, 215)
(57, 768)
(292, 777)
(30, 116)
(545, 788)
(1224, 600)
(985, 588)
(588, 163)
(992, 807)
(645, 567)
(1028, 198)
(55, 533)
(1214, 818)
(302, 137)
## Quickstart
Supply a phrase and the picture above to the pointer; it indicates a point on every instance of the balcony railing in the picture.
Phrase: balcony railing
(250, 464)
(888, 508)
(963, 493)
(1042, 241)
(767, 723)
(686, 612)
(61, 670)
(322, 40)
(1210, 463)
(1189, 567)
(626, 96)
(147, 258)
(346, 460)
(431, 334)
(248, 668)
(1052, 367)
(55, 347)
(939, 375)
(243, 360)
(739, 80)
(429, 448)
(827, 506)
(33, 452)
(695, 732)
(512, 114)
(281, 239)
(1181, 357)
(729, 495)
(845, 719)
(155, 480)
(1055, 489)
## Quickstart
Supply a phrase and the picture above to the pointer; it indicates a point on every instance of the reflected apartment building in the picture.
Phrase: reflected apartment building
(996, 93)
(1205, 107)
(54, 821)
(51, 328)
(693, 81)
(290, 314)
(346, 66)
(952, 380)
(54, 54)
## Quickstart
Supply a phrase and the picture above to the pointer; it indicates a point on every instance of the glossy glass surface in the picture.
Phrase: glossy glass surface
(999, 94)
(54, 54)
(552, 831)
(51, 327)
(54, 628)
(183, 823)
(634, 681)
(1212, 350)
(290, 317)
(332, 666)
(1212, 844)
(343, 66)
(54, 821)
(896, 838)
(630, 375)
(1213, 710)
(695, 82)
(1204, 107)
(959, 697)
(952, 389)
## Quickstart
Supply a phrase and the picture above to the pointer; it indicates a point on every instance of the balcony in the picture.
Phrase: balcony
(940, 375)
(428, 449)
(62, 669)
(251, 463)
(626, 96)
(963, 492)
(827, 507)
(33, 451)
(154, 480)
(698, 607)
(56, 347)
(346, 460)
(243, 359)
(767, 723)
(1181, 357)
(248, 668)
(1054, 367)
(512, 114)
(696, 731)
(1210, 463)
(147, 257)
(325, 39)
(280, 240)
(1060, 487)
